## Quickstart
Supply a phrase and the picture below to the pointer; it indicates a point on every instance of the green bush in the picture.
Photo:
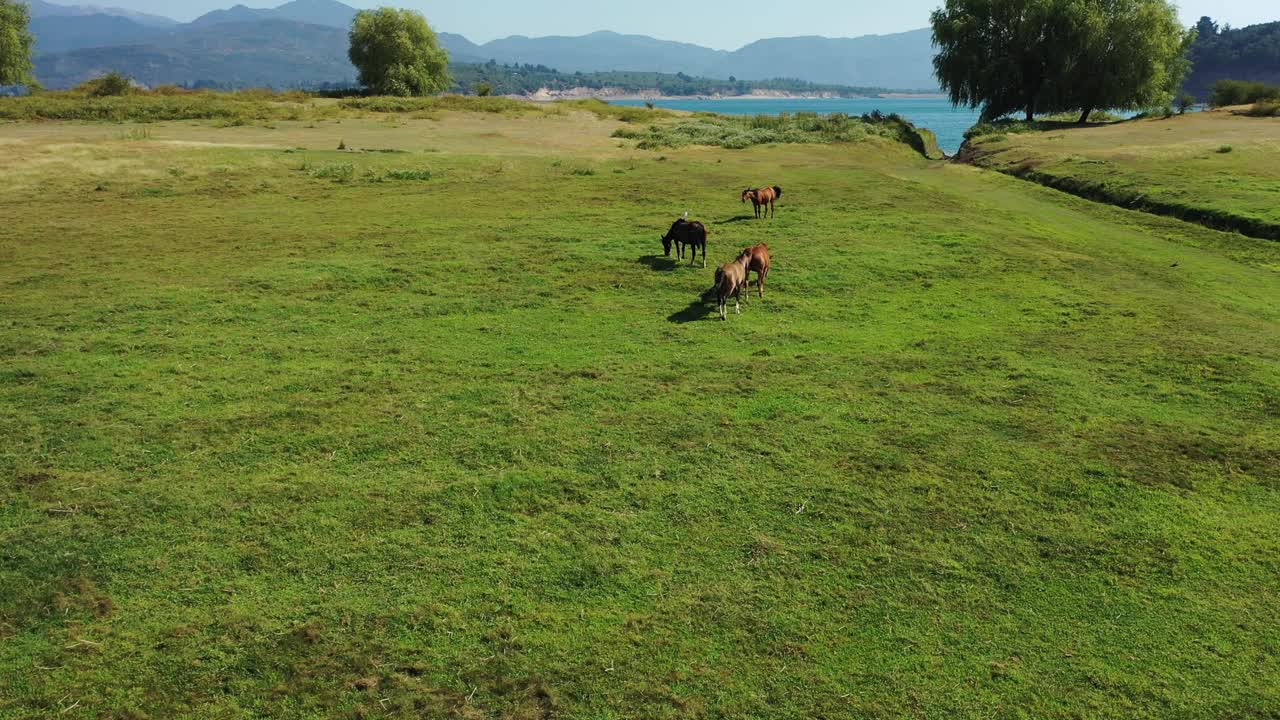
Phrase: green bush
(113, 84)
(1241, 92)
(1223, 149)
(1264, 109)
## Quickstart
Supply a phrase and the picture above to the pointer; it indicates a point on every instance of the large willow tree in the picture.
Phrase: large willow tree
(397, 53)
(15, 43)
(1044, 56)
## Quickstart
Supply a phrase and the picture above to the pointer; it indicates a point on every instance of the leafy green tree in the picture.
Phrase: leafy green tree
(1206, 27)
(484, 89)
(997, 54)
(15, 43)
(1047, 56)
(1128, 55)
(397, 53)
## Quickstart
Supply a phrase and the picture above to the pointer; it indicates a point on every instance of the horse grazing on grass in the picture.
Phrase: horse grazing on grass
(759, 263)
(730, 279)
(764, 197)
(686, 233)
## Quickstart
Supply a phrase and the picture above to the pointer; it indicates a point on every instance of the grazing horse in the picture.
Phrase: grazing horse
(730, 279)
(763, 197)
(759, 263)
(684, 232)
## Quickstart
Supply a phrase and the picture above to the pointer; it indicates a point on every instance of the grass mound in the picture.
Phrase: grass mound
(739, 132)
(1178, 166)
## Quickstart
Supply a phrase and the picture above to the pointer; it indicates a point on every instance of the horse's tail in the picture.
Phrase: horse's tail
(719, 278)
(777, 191)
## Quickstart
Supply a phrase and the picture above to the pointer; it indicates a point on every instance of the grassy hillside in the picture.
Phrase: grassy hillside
(435, 431)
(1213, 167)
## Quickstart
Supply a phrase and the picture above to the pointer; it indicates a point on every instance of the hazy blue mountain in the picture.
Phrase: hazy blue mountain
(901, 60)
(461, 49)
(58, 33)
(271, 52)
(42, 9)
(604, 51)
(318, 12)
(329, 13)
(233, 14)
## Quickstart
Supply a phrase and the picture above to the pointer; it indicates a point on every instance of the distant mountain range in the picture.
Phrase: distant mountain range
(303, 42)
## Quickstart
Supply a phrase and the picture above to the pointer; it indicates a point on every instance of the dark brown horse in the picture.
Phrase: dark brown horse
(684, 232)
(759, 263)
(763, 197)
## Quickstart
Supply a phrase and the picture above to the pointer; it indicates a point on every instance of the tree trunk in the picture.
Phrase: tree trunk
(1031, 112)
(1084, 116)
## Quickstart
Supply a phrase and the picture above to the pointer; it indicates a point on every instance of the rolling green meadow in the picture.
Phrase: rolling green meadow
(429, 428)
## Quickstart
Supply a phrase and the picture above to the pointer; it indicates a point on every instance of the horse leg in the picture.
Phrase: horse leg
(704, 253)
(760, 281)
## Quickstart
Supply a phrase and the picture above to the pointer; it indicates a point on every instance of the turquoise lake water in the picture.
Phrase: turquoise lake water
(936, 114)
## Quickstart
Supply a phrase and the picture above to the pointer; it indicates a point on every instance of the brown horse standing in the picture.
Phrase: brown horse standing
(763, 197)
(759, 263)
(730, 279)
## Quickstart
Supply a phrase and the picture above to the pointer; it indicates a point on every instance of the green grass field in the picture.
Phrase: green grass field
(288, 432)
(1217, 164)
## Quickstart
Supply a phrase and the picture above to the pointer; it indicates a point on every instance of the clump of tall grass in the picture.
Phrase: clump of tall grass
(409, 174)
(338, 172)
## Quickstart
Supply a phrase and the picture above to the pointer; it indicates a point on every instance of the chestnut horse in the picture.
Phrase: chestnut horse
(763, 197)
(759, 262)
(730, 279)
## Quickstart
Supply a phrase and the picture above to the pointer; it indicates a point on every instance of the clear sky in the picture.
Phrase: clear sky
(714, 23)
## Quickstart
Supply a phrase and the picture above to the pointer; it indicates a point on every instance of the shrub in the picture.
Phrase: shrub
(113, 84)
(1186, 101)
(1264, 109)
(1224, 149)
(1241, 92)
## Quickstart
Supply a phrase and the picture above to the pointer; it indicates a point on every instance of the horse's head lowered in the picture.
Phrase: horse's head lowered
(669, 238)
(748, 193)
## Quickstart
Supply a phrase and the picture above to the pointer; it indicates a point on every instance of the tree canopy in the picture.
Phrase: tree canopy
(397, 53)
(15, 43)
(1250, 53)
(1049, 56)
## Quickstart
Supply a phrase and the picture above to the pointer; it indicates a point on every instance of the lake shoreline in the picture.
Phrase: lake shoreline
(608, 94)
